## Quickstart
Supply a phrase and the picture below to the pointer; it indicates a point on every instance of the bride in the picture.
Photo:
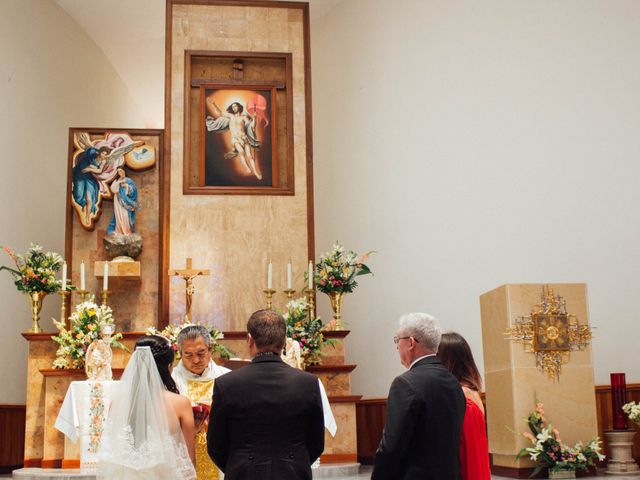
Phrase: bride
(150, 431)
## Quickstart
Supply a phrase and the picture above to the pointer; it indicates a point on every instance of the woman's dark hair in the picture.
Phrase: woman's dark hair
(455, 354)
(163, 354)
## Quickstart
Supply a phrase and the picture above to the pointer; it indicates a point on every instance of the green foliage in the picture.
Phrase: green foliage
(35, 271)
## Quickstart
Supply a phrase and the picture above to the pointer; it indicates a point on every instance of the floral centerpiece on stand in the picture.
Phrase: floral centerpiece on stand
(34, 275)
(173, 330)
(335, 274)
(548, 450)
(305, 330)
(632, 409)
(86, 325)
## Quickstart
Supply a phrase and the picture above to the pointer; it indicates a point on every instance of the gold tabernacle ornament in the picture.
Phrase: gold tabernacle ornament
(188, 274)
(550, 333)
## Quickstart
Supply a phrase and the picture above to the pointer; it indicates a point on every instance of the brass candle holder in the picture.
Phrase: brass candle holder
(289, 292)
(63, 304)
(269, 295)
(105, 297)
(310, 294)
(84, 295)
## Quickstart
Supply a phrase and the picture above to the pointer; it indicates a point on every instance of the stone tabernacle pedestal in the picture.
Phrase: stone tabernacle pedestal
(513, 382)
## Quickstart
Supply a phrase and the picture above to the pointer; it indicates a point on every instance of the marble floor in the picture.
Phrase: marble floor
(365, 473)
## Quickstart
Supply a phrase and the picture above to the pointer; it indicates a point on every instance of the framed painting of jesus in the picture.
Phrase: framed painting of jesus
(238, 136)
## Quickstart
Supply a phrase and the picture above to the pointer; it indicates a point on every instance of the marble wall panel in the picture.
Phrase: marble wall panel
(345, 441)
(235, 236)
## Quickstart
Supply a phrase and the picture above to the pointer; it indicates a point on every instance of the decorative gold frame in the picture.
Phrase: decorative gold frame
(550, 333)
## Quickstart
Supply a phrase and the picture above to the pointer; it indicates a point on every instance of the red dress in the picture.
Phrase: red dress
(474, 449)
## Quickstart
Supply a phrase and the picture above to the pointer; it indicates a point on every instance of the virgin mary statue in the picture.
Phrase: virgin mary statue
(125, 204)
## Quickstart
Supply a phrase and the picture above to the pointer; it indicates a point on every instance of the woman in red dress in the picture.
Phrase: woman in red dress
(455, 354)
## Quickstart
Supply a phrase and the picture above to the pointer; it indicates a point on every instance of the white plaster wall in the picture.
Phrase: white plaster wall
(52, 77)
(474, 144)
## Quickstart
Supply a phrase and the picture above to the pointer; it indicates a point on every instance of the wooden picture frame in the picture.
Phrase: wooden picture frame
(242, 75)
(238, 136)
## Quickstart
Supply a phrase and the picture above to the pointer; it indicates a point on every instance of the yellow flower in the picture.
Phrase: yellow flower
(91, 327)
(79, 335)
(91, 312)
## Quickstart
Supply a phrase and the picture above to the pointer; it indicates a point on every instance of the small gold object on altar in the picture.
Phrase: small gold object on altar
(63, 304)
(550, 333)
(105, 296)
(188, 275)
(84, 295)
(310, 293)
(336, 299)
(289, 292)
(269, 296)
(35, 304)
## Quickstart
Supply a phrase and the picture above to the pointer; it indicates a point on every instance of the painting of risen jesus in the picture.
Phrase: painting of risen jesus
(237, 136)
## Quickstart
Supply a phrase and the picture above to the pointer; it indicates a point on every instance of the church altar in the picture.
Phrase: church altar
(47, 447)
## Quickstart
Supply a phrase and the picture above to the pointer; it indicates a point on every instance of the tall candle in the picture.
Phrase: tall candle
(269, 276)
(64, 276)
(310, 275)
(289, 276)
(82, 276)
(618, 398)
(105, 277)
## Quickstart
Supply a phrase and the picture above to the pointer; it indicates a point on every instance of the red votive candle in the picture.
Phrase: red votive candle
(618, 399)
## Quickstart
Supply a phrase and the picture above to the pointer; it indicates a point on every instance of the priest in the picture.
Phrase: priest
(194, 375)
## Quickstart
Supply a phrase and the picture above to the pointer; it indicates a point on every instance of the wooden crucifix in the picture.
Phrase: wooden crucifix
(188, 275)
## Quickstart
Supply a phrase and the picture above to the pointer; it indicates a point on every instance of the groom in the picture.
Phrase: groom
(266, 418)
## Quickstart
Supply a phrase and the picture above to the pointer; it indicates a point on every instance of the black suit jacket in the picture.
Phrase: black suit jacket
(421, 439)
(266, 422)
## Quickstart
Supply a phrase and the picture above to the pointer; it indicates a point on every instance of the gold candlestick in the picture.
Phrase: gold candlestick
(105, 296)
(289, 292)
(269, 294)
(63, 305)
(84, 295)
(310, 293)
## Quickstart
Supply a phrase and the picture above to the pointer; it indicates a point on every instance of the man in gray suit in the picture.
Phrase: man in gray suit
(425, 409)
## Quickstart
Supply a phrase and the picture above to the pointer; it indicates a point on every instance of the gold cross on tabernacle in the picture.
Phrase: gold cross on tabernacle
(188, 274)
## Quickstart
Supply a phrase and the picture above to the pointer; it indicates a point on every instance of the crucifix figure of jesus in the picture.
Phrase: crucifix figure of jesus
(188, 274)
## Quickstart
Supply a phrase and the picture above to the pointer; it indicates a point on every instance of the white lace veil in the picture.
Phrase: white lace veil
(142, 439)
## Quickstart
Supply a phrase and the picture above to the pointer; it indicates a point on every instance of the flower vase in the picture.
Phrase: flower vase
(562, 474)
(336, 299)
(35, 304)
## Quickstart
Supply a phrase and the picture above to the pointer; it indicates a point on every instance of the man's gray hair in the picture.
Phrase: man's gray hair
(193, 332)
(422, 327)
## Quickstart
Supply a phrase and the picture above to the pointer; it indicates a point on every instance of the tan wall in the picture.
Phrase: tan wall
(53, 77)
(235, 236)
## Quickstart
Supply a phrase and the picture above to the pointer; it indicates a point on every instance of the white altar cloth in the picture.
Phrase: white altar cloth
(83, 415)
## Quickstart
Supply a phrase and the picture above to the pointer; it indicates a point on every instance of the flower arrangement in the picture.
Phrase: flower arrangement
(35, 271)
(171, 332)
(632, 409)
(337, 270)
(87, 323)
(306, 331)
(550, 452)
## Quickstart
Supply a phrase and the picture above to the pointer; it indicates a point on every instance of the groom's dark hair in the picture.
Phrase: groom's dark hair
(268, 330)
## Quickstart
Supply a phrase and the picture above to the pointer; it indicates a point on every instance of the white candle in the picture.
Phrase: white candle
(269, 276)
(64, 276)
(310, 275)
(82, 276)
(105, 278)
(289, 276)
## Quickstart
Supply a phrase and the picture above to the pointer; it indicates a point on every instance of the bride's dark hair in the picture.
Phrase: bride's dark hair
(163, 354)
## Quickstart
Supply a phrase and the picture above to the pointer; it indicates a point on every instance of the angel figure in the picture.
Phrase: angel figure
(95, 166)
(242, 127)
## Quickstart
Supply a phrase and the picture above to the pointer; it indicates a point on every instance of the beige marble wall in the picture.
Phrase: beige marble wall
(232, 235)
(512, 380)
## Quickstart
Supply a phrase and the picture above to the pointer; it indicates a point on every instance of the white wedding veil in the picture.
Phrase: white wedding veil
(142, 438)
